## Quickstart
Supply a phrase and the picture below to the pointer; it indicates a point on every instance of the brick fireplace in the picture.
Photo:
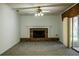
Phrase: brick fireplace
(39, 33)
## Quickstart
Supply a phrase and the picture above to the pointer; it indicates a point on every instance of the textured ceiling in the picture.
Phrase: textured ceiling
(48, 8)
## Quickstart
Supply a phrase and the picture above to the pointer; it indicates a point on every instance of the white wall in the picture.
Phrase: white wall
(60, 27)
(52, 22)
(9, 32)
(65, 31)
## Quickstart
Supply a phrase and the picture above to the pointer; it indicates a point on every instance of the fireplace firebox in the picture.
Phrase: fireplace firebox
(38, 33)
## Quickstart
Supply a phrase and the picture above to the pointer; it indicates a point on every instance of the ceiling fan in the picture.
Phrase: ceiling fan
(38, 12)
(37, 8)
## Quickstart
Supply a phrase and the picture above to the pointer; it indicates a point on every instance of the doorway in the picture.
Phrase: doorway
(74, 32)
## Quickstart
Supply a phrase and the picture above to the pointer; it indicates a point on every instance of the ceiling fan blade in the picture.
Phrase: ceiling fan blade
(45, 11)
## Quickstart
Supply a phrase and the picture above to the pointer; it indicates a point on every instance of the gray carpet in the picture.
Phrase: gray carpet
(40, 49)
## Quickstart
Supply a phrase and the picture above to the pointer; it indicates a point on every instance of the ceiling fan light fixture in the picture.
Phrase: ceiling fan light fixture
(39, 14)
(42, 14)
(36, 15)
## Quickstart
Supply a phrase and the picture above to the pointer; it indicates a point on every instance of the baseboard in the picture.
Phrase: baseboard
(75, 50)
(60, 42)
(10, 47)
(29, 39)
